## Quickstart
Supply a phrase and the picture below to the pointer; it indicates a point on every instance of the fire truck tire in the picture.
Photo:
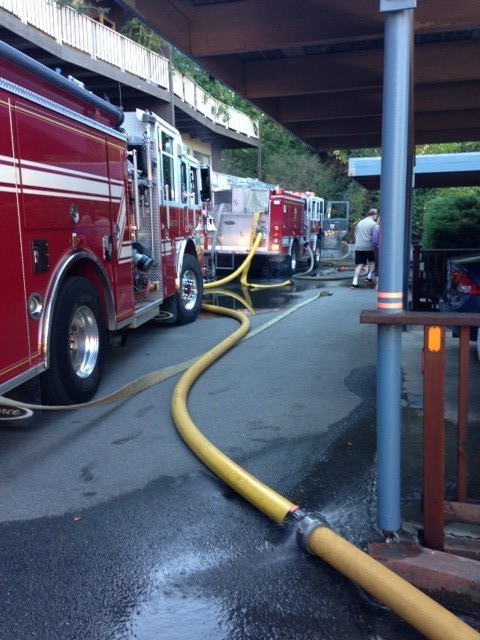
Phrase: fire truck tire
(77, 345)
(293, 258)
(190, 294)
(317, 254)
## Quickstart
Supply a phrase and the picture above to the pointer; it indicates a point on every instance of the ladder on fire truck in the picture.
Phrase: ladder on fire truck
(212, 226)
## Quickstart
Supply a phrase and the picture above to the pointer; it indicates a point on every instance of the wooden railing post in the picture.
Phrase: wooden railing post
(462, 429)
(433, 436)
(436, 510)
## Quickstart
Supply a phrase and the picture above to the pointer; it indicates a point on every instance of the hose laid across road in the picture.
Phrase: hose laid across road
(314, 534)
(243, 269)
(416, 608)
(160, 375)
(244, 266)
(411, 604)
(266, 500)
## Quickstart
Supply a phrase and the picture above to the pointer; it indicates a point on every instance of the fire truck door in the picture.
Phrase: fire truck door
(16, 352)
(121, 258)
(189, 182)
(185, 195)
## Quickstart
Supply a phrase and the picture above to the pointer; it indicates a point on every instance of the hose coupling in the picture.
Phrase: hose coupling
(306, 524)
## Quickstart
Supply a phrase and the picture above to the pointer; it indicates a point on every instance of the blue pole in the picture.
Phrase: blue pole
(393, 186)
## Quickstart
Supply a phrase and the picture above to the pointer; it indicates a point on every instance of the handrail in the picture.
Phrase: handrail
(69, 27)
(436, 510)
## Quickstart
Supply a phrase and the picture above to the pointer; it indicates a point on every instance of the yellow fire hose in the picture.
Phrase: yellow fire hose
(266, 500)
(160, 375)
(245, 265)
(276, 285)
(243, 269)
(411, 604)
(245, 299)
(416, 608)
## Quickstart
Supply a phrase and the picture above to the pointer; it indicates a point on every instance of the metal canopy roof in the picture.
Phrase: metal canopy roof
(316, 66)
(442, 170)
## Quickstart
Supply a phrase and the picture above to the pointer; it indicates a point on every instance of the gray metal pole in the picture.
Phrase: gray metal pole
(395, 119)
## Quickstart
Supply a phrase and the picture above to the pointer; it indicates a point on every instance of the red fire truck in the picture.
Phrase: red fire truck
(98, 216)
(288, 221)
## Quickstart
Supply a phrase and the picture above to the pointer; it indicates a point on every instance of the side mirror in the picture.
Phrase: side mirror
(205, 189)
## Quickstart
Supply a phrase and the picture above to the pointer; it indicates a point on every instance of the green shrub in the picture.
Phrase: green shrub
(452, 221)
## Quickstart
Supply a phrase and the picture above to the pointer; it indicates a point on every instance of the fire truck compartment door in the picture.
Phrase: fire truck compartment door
(249, 200)
(15, 356)
(234, 232)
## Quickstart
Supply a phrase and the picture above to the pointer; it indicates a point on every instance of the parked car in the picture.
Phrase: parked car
(462, 291)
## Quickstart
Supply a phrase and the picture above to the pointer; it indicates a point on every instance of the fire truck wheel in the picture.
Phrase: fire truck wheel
(317, 254)
(294, 258)
(77, 345)
(189, 297)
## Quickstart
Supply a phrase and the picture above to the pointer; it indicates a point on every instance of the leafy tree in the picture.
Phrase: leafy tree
(452, 220)
(305, 170)
(448, 147)
(344, 154)
(240, 162)
(138, 32)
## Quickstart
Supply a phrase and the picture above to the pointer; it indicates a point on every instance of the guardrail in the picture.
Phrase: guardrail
(436, 509)
(100, 42)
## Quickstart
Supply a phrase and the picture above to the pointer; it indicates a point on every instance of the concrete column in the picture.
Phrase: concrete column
(217, 162)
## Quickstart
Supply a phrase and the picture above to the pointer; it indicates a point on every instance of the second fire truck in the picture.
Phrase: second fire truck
(289, 222)
(98, 228)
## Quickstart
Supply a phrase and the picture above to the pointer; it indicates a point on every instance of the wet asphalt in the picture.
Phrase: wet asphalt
(111, 529)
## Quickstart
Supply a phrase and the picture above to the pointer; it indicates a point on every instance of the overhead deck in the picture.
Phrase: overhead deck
(316, 67)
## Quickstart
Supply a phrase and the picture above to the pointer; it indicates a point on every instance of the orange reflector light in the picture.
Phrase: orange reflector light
(434, 339)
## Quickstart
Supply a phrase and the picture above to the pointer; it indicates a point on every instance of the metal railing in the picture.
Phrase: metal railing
(69, 27)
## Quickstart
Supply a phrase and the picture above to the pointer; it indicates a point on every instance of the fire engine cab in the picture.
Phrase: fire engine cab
(99, 214)
(289, 222)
